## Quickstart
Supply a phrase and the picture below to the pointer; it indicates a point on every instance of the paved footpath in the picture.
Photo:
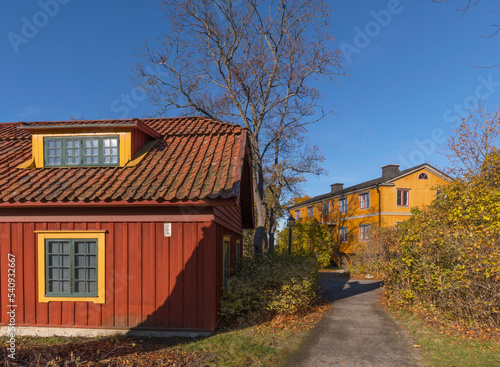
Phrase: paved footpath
(358, 332)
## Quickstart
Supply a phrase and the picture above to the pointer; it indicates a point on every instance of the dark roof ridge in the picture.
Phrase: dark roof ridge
(123, 120)
(366, 184)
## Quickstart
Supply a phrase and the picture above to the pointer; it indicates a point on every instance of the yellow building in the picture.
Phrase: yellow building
(384, 201)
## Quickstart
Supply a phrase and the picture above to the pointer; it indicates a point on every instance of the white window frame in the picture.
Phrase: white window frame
(400, 199)
(343, 234)
(364, 232)
(364, 200)
(343, 205)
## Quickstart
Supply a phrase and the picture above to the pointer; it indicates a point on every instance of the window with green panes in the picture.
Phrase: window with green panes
(81, 151)
(71, 267)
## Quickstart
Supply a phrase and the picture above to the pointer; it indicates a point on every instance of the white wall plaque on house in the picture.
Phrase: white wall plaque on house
(167, 229)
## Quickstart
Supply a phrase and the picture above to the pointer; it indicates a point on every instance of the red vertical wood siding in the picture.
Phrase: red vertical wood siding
(5, 249)
(152, 281)
(42, 309)
(229, 217)
(138, 140)
(221, 232)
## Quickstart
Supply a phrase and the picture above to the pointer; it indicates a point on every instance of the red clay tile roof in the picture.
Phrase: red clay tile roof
(197, 159)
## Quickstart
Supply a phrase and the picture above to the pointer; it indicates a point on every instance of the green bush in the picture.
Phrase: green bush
(447, 256)
(310, 238)
(278, 284)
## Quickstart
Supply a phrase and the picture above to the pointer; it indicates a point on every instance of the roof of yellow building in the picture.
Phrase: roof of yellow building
(391, 174)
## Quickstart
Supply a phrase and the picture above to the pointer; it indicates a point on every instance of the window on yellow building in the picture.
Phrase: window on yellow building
(297, 214)
(310, 211)
(326, 208)
(423, 176)
(364, 200)
(403, 197)
(343, 234)
(364, 230)
(343, 205)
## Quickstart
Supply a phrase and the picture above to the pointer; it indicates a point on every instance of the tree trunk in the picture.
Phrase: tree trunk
(272, 230)
(260, 231)
(260, 206)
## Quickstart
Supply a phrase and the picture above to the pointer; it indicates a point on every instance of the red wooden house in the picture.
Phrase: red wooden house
(120, 225)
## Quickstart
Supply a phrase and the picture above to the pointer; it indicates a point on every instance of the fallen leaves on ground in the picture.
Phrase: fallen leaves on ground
(448, 326)
(137, 351)
(112, 351)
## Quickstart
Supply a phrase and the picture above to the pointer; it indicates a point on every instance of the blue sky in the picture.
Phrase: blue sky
(409, 73)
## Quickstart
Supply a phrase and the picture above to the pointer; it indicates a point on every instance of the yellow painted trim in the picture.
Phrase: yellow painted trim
(141, 154)
(125, 145)
(224, 239)
(29, 164)
(125, 148)
(37, 142)
(101, 263)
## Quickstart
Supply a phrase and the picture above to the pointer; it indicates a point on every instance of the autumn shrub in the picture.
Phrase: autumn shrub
(278, 284)
(370, 256)
(309, 238)
(447, 256)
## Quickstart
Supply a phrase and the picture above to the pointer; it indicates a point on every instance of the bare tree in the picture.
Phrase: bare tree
(472, 141)
(250, 62)
(468, 5)
(286, 164)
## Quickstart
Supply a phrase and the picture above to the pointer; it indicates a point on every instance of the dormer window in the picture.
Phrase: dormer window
(90, 143)
(81, 151)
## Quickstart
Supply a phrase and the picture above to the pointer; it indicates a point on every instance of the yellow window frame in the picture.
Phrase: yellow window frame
(100, 236)
(226, 239)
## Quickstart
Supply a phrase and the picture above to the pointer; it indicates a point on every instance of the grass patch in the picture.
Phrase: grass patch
(439, 349)
(34, 340)
(269, 343)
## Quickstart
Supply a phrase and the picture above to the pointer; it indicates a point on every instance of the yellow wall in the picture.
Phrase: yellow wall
(422, 192)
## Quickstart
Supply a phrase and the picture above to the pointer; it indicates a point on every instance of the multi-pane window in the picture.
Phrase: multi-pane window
(71, 267)
(53, 153)
(91, 151)
(364, 200)
(343, 234)
(364, 230)
(297, 214)
(343, 205)
(326, 208)
(81, 151)
(403, 198)
(310, 211)
(72, 148)
(110, 150)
